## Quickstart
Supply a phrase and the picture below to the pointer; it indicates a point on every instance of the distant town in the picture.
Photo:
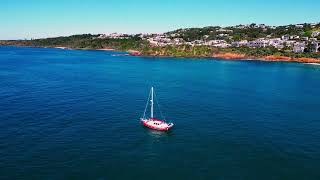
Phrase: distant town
(306, 37)
(295, 42)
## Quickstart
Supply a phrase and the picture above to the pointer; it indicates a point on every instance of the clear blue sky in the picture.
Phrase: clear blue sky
(47, 18)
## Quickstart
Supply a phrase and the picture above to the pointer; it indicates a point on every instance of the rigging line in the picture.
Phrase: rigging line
(156, 98)
(145, 109)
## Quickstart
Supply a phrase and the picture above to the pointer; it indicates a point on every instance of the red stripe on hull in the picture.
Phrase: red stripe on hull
(155, 128)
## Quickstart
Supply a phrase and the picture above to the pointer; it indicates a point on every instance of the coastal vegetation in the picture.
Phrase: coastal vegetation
(205, 51)
(243, 41)
(84, 41)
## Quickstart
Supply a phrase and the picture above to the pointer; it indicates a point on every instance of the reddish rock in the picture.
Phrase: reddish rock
(229, 56)
(134, 53)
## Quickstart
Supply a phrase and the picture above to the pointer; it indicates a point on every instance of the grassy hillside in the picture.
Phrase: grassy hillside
(85, 41)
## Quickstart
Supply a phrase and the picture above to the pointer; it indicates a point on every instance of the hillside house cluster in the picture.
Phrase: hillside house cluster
(114, 36)
(296, 43)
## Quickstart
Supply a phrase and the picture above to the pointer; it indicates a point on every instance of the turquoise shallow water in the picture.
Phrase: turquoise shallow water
(71, 114)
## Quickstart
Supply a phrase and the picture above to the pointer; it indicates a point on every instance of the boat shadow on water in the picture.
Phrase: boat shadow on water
(158, 134)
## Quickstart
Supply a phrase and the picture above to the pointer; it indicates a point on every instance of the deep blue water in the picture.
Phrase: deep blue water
(72, 114)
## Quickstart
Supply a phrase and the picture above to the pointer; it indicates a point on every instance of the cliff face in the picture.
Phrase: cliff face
(134, 52)
(277, 58)
(229, 56)
(289, 59)
(237, 56)
(265, 58)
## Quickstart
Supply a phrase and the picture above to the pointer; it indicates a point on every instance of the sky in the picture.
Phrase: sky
(25, 19)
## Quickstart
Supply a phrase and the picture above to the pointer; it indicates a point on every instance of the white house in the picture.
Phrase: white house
(239, 43)
(290, 43)
(285, 37)
(299, 47)
(258, 43)
(178, 41)
(315, 34)
(224, 30)
(294, 37)
(214, 42)
(275, 41)
(299, 25)
(315, 46)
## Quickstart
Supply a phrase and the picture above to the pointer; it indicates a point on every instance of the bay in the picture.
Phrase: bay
(74, 114)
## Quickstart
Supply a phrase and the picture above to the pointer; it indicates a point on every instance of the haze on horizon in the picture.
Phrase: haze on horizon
(22, 19)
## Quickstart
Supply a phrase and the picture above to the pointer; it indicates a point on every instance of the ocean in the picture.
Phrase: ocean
(74, 114)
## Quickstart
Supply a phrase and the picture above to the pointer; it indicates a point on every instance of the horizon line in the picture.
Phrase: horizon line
(119, 32)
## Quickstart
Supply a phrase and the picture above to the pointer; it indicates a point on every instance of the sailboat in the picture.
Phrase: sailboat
(151, 122)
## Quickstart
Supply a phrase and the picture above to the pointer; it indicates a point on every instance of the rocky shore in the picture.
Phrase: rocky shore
(220, 55)
(236, 56)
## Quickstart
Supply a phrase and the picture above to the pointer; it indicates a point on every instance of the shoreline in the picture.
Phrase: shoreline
(68, 48)
(241, 57)
(224, 56)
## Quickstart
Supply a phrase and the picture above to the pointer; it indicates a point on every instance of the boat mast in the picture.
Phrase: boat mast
(151, 102)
